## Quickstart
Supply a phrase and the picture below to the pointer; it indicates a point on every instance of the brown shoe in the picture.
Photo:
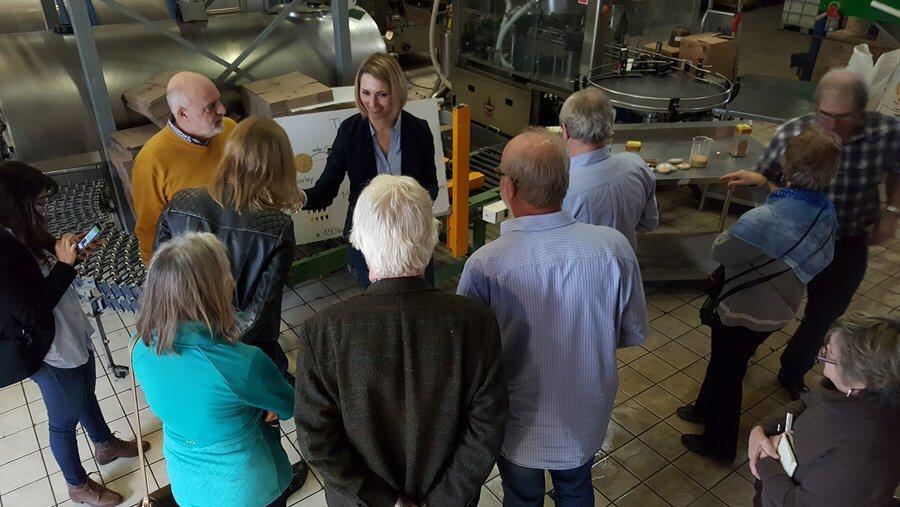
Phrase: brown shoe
(95, 495)
(115, 448)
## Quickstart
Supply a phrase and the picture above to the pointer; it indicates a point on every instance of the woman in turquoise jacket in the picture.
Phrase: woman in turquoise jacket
(214, 395)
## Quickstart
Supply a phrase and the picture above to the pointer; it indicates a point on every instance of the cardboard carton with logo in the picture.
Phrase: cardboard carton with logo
(711, 51)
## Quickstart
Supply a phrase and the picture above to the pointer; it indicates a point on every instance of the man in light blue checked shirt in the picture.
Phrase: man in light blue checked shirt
(566, 295)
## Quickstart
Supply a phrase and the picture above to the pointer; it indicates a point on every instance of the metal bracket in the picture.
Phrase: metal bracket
(257, 41)
(340, 18)
(99, 97)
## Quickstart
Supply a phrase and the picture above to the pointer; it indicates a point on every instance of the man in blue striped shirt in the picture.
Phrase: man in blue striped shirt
(566, 295)
(618, 190)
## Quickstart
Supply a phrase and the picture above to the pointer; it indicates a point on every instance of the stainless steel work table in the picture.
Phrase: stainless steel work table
(684, 256)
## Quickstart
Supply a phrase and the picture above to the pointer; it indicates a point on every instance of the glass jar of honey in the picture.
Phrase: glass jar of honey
(741, 139)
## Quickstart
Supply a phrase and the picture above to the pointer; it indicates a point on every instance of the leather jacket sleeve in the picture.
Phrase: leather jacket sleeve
(163, 231)
(266, 299)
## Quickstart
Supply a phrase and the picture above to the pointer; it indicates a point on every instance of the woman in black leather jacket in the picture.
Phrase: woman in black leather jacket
(405, 147)
(244, 206)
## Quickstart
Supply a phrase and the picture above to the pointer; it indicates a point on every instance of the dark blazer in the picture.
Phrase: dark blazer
(400, 391)
(353, 154)
(27, 300)
(260, 247)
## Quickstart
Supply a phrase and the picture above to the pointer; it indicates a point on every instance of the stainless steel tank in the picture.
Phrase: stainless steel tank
(27, 16)
(43, 98)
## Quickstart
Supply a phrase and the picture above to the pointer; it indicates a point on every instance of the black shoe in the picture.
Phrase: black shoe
(694, 443)
(793, 388)
(301, 473)
(687, 413)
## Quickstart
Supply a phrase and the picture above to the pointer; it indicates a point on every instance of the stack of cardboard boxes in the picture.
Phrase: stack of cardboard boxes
(124, 147)
(711, 51)
(283, 95)
(149, 98)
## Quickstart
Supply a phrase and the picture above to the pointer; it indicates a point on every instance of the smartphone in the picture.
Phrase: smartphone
(91, 236)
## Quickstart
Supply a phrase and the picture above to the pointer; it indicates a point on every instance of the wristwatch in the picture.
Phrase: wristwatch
(892, 209)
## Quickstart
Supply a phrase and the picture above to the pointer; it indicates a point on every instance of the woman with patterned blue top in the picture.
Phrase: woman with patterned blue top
(217, 398)
(381, 139)
(768, 256)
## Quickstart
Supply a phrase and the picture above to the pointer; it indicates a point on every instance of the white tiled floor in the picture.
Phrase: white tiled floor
(642, 462)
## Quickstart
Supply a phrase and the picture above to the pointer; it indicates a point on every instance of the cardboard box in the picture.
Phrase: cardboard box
(711, 51)
(149, 98)
(837, 48)
(278, 96)
(666, 49)
(124, 148)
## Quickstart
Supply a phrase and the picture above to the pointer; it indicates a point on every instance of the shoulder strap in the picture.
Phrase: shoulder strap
(766, 278)
(789, 250)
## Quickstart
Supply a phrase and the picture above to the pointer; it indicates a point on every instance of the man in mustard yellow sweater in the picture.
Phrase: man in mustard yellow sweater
(182, 155)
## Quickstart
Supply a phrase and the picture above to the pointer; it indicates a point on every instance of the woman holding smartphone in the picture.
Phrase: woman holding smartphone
(37, 300)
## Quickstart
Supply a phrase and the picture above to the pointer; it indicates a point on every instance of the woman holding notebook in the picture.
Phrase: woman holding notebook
(845, 439)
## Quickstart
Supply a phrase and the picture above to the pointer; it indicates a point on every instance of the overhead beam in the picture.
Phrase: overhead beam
(190, 46)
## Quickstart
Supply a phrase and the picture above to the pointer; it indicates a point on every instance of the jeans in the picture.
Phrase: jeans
(69, 396)
(827, 297)
(719, 401)
(524, 487)
(359, 270)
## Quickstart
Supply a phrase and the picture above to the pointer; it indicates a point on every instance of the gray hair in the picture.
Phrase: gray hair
(189, 281)
(846, 84)
(811, 158)
(393, 227)
(588, 116)
(539, 170)
(870, 352)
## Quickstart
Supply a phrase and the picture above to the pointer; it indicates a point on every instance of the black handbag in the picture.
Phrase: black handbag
(716, 281)
(22, 352)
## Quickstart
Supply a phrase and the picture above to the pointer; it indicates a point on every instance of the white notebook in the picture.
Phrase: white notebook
(786, 454)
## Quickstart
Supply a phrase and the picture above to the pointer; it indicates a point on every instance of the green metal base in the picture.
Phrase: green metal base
(319, 265)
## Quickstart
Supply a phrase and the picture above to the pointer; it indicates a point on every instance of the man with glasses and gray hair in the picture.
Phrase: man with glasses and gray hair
(618, 190)
(567, 295)
(870, 152)
(402, 395)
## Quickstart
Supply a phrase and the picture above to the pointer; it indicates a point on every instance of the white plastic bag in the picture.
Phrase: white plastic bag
(884, 88)
(861, 62)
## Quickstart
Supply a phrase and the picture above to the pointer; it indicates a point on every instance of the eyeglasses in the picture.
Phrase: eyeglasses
(834, 116)
(823, 356)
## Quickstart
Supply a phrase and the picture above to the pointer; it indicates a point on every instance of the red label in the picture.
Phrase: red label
(488, 108)
(583, 2)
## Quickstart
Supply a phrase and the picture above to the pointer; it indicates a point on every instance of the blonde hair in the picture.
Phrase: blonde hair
(812, 158)
(385, 69)
(870, 352)
(393, 226)
(189, 281)
(257, 170)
